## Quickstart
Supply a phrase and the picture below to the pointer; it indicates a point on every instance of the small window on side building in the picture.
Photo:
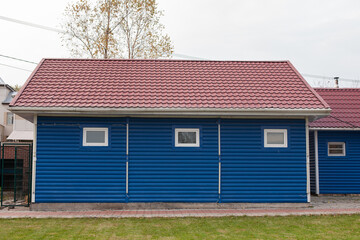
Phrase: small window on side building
(187, 137)
(275, 138)
(336, 149)
(9, 118)
(95, 136)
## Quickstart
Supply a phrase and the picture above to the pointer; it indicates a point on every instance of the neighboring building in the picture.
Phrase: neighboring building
(335, 144)
(118, 131)
(6, 117)
(22, 130)
(12, 127)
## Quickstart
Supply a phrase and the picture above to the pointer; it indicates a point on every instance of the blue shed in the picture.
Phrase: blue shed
(121, 131)
(335, 144)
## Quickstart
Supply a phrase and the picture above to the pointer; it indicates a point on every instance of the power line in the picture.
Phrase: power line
(23, 69)
(31, 24)
(61, 31)
(175, 54)
(188, 57)
(18, 59)
(329, 78)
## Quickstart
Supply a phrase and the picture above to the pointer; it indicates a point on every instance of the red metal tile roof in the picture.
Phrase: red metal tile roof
(167, 84)
(345, 105)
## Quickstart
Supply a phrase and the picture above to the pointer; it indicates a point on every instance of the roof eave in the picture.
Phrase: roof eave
(172, 112)
(334, 128)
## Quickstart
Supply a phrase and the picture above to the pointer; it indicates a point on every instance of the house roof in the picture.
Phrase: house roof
(9, 97)
(169, 84)
(345, 105)
(2, 83)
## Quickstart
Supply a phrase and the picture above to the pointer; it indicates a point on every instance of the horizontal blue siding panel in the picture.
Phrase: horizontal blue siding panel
(252, 173)
(339, 174)
(161, 172)
(68, 172)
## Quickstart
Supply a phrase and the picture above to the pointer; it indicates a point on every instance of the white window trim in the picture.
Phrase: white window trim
(285, 145)
(337, 155)
(196, 130)
(106, 143)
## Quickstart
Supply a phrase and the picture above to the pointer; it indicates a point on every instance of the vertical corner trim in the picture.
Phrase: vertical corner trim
(127, 157)
(317, 185)
(219, 155)
(33, 177)
(307, 159)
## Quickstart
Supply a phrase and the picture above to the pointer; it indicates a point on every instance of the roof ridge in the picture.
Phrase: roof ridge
(343, 121)
(308, 86)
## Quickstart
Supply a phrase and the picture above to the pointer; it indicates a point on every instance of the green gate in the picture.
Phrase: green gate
(16, 168)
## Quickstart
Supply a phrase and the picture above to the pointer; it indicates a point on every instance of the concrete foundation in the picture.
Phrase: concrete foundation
(158, 205)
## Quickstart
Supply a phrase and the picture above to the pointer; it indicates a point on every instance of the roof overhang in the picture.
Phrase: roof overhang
(21, 135)
(29, 112)
(334, 129)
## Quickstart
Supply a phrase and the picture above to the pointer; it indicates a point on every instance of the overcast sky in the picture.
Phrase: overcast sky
(318, 37)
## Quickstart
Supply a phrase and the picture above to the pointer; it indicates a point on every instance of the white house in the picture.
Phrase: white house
(12, 126)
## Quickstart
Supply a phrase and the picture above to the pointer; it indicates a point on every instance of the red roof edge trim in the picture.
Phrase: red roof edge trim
(308, 86)
(26, 83)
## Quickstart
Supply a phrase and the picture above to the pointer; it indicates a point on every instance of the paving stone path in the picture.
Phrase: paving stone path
(318, 206)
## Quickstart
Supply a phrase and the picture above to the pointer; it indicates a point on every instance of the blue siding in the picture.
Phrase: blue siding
(339, 175)
(160, 172)
(68, 172)
(252, 173)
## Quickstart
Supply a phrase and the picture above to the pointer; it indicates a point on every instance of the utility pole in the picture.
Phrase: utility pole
(336, 82)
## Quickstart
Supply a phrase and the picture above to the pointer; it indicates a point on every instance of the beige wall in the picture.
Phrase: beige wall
(6, 129)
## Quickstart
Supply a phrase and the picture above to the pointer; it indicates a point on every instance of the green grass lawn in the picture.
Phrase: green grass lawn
(292, 227)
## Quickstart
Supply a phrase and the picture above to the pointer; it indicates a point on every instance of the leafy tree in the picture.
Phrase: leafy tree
(115, 29)
(16, 87)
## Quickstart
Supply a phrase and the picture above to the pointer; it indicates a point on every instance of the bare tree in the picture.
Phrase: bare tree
(115, 29)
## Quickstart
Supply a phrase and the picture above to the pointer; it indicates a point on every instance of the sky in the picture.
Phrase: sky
(319, 37)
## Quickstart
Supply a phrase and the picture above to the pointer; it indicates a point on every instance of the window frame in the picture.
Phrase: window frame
(280, 130)
(197, 132)
(105, 144)
(336, 154)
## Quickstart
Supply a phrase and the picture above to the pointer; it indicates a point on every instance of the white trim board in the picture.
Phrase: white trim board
(33, 177)
(308, 190)
(317, 184)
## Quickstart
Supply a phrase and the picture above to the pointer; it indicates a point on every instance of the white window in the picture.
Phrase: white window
(187, 137)
(9, 118)
(276, 138)
(336, 149)
(95, 136)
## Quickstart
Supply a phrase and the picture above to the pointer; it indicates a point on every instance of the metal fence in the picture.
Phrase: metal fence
(16, 166)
